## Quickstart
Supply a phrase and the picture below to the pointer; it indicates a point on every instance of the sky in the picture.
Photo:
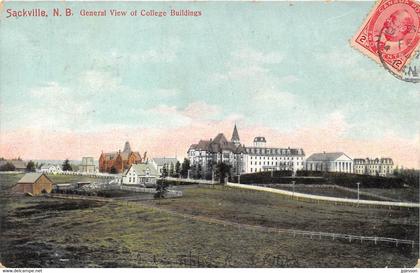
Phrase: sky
(77, 86)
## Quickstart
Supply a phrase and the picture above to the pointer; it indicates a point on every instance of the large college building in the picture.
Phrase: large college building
(117, 162)
(381, 167)
(207, 153)
(256, 158)
(260, 158)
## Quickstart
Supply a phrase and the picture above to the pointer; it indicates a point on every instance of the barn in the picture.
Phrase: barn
(34, 184)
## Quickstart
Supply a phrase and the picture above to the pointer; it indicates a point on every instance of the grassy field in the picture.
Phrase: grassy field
(334, 192)
(274, 210)
(403, 194)
(47, 232)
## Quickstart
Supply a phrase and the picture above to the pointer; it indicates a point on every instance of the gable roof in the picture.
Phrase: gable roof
(141, 169)
(160, 161)
(326, 156)
(32, 178)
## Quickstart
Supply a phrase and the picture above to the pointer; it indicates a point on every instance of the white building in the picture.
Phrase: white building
(259, 158)
(329, 162)
(50, 169)
(167, 162)
(143, 174)
(367, 166)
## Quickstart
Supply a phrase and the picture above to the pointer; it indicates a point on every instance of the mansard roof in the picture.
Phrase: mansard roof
(384, 160)
(259, 139)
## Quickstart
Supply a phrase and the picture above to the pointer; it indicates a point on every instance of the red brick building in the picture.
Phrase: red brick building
(119, 161)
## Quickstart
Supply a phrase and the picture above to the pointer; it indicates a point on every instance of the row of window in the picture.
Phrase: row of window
(275, 158)
(254, 170)
(271, 163)
(140, 179)
(270, 151)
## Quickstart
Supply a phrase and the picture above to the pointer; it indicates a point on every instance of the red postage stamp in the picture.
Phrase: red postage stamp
(390, 34)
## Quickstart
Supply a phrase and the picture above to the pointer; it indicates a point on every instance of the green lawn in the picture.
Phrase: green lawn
(274, 210)
(47, 232)
(404, 194)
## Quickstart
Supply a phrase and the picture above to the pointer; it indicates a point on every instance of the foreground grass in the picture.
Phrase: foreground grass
(42, 232)
(274, 210)
(46, 232)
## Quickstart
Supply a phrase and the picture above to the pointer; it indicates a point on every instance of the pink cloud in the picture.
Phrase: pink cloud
(41, 144)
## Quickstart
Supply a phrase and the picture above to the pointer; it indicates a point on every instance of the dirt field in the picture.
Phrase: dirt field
(46, 232)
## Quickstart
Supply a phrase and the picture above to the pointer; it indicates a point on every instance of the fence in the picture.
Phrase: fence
(350, 238)
(195, 181)
(326, 198)
(329, 186)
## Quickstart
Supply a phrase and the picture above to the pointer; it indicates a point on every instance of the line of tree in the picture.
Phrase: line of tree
(8, 167)
(30, 167)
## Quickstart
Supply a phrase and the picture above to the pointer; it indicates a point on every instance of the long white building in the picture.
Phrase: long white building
(259, 158)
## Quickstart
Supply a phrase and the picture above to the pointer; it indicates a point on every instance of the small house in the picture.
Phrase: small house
(50, 168)
(34, 184)
(142, 174)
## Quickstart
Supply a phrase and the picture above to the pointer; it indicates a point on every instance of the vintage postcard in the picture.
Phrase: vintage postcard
(209, 134)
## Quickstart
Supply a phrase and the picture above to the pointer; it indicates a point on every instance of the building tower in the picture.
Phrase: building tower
(127, 147)
(235, 136)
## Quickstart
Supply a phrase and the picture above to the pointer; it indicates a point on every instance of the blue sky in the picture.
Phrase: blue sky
(277, 65)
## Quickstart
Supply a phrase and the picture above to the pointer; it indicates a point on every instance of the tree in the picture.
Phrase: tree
(161, 189)
(177, 168)
(164, 171)
(7, 167)
(185, 167)
(171, 170)
(222, 171)
(66, 165)
(30, 167)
